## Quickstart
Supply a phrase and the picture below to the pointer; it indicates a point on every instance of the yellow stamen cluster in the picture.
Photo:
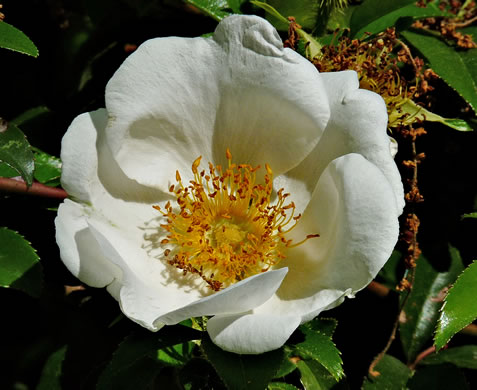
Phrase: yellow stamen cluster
(227, 229)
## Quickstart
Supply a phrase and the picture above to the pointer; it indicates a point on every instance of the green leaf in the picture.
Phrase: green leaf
(308, 379)
(47, 167)
(401, 17)
(393, 375)
(50, 375)
(447, 63)
(470, 215)
(318, 346)
(465, 357)
(281, 386)
(16, 152)
(326, 326)
(459, 308)
(439, 377)
(422, 307)
(242, 371)
(314, 375)
(415, 111)
(372, 10)
(7, 171)
(176, 355)
(12, 38)
(286, 365)
(19, 264)
(312, 47)
(270, 10)
(216, 9)
(142, 347)
(304, 11)
(469, 57)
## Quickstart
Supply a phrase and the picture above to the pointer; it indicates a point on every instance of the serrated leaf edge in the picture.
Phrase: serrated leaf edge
(340, 374)
(441, 311)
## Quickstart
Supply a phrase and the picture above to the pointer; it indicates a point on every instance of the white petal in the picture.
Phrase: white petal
(240, 297)
(154, 293)
(175, 99)
(357, 124)
(89, 181)
(78, 248)
(353, 210)
(79, 154)
(251, 333)
(149, 289)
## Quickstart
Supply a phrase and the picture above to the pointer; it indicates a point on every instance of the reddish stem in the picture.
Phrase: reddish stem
(379, 289)
(422, 355)
(36, 189)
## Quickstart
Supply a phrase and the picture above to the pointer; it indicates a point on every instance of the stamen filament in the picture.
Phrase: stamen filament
(226, 229)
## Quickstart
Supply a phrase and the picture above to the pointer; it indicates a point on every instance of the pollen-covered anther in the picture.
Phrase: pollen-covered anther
(226, 228)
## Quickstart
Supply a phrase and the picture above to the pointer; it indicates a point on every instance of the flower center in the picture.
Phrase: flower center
(226, 228)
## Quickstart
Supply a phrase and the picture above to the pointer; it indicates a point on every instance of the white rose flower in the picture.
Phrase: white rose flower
(173, 236)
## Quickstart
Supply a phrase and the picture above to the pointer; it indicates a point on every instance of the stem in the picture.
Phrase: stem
(36, 189)
(422, 355)
(470, 330)
(379, 289)
(378, 358)
(466, 23)
(409, 55)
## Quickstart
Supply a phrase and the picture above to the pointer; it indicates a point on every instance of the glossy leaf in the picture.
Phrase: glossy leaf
(308, 379)
(216, 9)
(393, 375)
(400, 18)
(7, 171)
(439, 377)
(465, 357)
(327, 326)
(242, 371)
(13, 39)
(372, 10)
(422, 308)
(287, 366)
(47, 167)
(459, 308)
(314, 375)
(16, 152)
(142, 347)
(19, 264)
(50, 375)
(318, 346)
(447, 63)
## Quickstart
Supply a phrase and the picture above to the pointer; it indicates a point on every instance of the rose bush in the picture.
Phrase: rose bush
(229, 241)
